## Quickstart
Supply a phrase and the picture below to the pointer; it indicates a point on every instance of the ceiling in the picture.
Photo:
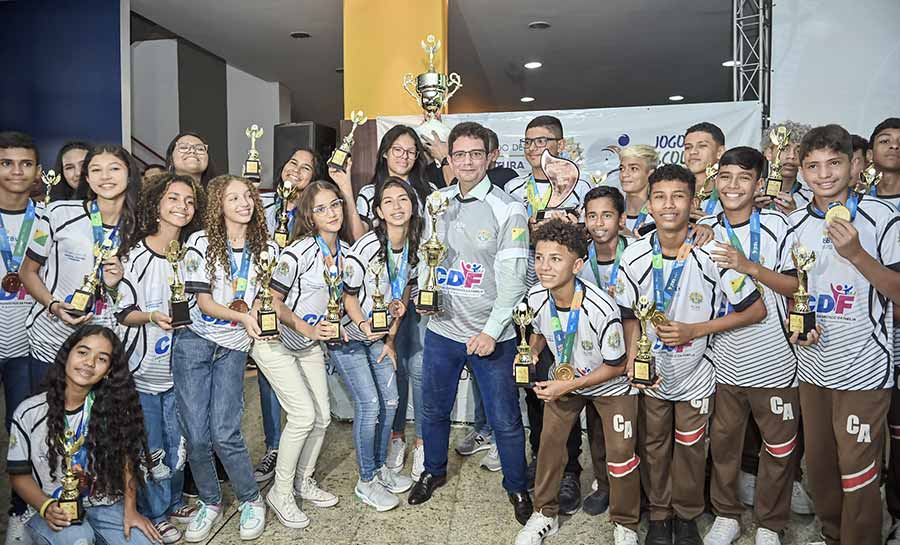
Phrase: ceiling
(597, 53)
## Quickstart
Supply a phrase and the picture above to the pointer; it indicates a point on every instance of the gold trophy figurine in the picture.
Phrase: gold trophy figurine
(178, 303)
(780, 138)
(433, 252)
(706, 191)
(340, 156)
(802, 318)
(870, 177)
(70, 498)
(432, 91)
(50, 179)
(644, 364)
(523, 365)
(83, 298)
(267, 319)
(333, 280)
(253, 166)
(286, 192)
(379, 321)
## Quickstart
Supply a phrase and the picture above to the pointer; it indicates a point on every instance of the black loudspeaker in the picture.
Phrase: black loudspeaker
(290, 136)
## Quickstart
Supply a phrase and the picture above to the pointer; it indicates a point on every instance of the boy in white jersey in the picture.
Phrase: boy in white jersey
(704, 143)
(637, 163)
(793, 194)
(846, 365)
(687, 289)
(756, 370)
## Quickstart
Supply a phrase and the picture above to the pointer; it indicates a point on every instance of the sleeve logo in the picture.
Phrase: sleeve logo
(40, 237)
(518, 233)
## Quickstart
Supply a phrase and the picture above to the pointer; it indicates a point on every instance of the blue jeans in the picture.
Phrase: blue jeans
(16, 376)
(271, 412)
(162, 494)
(102, 525)
(209, 383)
(37, 370)
(481, 424)
(410, 344)
(443, 364)
(373, 386)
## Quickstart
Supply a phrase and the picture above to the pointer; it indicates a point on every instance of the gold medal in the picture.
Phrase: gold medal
(837, 210)
(239, 305)
(658, 319)
(564, 372)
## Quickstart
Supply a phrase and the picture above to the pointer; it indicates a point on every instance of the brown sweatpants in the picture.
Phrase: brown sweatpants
(598, 446)
(675, 459)
(844, 433)
(892, 485)
(618, 415)
(776, 412)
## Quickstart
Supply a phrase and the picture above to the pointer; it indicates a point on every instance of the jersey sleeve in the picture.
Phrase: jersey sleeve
(195, 276)
(627, 297)
(889, 244)
(612, 339)
(41, 238)
(355, 273)
(513, 237)
(285, 273)
(127, 296)
(18, 457)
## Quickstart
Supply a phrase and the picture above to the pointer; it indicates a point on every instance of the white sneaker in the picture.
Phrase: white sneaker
(491, 460)
(893, 534)
(396, 453)
(285, 508)
(168, 532)
(16, 534)
(374, 493)
(764, 536)
(801, 503)
(747, 488)
(202, 523)
(624, 536)
(393, 481)
(253, 518)
(536, 529)
(722, 532)
(309, 490)
(418, 466)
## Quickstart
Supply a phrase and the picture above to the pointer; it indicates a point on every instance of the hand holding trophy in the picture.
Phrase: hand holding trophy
(802, 318)
(379, 321)
(341, 155)
(644, 365)
(83, 299)
(523, 366)
(178, 303)
(433, 252)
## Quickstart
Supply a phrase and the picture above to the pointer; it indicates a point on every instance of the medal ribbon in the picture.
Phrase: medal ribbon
(12, 258)
(663, 295)
(335, 260)
(614, 273)
(239, 274)
(397, 273)
(565, 342)
(532, 194)
(641, 217)
(712, 201)
(81, 456)
(738, 283)
(852, 204)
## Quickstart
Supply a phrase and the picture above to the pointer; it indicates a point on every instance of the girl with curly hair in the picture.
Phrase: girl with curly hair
(91, 399)
(209, 356)
(171, 208)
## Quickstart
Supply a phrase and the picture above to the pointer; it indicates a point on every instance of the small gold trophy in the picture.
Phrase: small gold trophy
(286, 192)
(433, 252)
(50, 179)
(253, 166)
(644, 364)
(340, 156)
(781, 138)
(802, 317)
(178, 303)
(83, 298)
(432, 91)
(706, 191)
(70, 497)
(868, 178)
(523, 366)
(267, 319)
(379, 322)
(333, 311)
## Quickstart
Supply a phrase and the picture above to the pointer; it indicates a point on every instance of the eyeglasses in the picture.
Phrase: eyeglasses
(475, 155)
(539, 142)
(199, 149)
(398, 153)
(334, 205)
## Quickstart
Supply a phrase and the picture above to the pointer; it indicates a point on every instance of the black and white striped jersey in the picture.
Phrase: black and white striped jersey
(14, 306)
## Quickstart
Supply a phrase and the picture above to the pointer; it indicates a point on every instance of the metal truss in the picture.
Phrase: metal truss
(752, 53)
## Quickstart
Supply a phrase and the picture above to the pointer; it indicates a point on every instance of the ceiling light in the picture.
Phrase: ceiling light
(526, 99)
(533, 65)
(676, 98)
(731, 63)
(538, 25)
(300, 34)
(339, 70)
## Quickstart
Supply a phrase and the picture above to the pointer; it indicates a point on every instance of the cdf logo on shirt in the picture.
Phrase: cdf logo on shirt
(840, 301)
(463, 281)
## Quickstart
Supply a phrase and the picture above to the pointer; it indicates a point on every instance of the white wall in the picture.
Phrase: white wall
(836, 62)
(154, 95)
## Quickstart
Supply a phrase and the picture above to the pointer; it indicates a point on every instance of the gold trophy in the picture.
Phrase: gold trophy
(379, 322)
(333, 280)
(50, 179)
(644, 364)
(83, 298)
(267, 319)
(253, 166)
(70, 498)
(432, 91)
(340, 156)
(705, 192)
(781, 138)
(802, 317)
(286, 192)
(178, 303)
(433, 252)
(523, 365)
(868, 178)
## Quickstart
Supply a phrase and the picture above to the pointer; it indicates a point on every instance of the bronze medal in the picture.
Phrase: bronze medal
(239, 305)
(11, 282)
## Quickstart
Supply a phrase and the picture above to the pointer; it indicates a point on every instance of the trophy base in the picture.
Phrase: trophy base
(802, 323)
(644, 373)
(181, 314)
(74, 509)
(428, 300)
(379, 322)
(523, 373)
(251, 169)
(339, 159)
(433, 126)
(335, 338)
(280, 238)
(82, 303)
(548, 213)
(268, 323)
(773, 188)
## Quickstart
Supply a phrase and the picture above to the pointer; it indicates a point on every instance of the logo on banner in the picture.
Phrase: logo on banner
(464, 281)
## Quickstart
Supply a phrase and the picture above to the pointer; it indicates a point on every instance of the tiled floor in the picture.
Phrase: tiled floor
(471, 509)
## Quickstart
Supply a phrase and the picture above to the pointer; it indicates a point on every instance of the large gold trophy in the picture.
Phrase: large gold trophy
(706, 191)
(253, 166)
(432, 91)
(266, 318)
(286, 192)
(870, 177)
(50, 179)
(780, 138)
(333, 280)
(433, 252)
(82, 301)
(341, 155)
(178, 303)
(644, 364)
(70, 497)
(802, 317)
(524, 364)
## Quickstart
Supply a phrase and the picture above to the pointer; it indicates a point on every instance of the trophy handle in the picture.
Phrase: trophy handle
(408, 81)
(452, 79)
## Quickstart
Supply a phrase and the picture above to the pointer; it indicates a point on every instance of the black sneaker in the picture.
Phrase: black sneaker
(597, 503)
(265, 469)
(686, 532)
(189, 488)
(531, 473)
(569, 494)
(659, 532)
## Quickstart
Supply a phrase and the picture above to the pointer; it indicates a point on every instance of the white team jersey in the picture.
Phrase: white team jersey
(854, 350)
(63, 244)
(758, 355)
(300, 278)
(270, 202)
(802, 196)
(631, 222)
(604, 268)
(365, 201)
(359, 280)
(893, 200)
(14, 306)
(229, 335)
(599, 339)
(686, 371)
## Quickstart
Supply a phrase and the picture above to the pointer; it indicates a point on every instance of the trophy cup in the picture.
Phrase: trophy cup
(432, 91)
(868, 178)
(333, 280)
(523, 365)
(433, 252)
(379, 322)
(563, 176)
(340, 156)
(83, 298)
(267, 319)
(644, 365)
(178, 304)
(253, 166)
(781, 138)
(50, 179)
(802, 317)
(70, 498)
(286, 192)
(705, 192)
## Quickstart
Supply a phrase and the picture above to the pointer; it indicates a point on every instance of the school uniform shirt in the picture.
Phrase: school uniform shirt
(604, 268)
(14, 306)
(271, 206)
(758, 355)
(63, 244)
(229, 335)
(300, 278)
(631, 222)
(854, 351)
(365, 201)
(686, 371)
(802, 195)
(599, 339)
(359, 280)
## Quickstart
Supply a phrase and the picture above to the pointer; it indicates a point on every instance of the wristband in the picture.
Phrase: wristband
(45, 505)
(151, 318)
(50, 306)
(360, 323)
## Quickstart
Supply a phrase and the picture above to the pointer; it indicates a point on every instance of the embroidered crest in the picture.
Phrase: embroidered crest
(587, 345)
(696, 297)
(614, 340)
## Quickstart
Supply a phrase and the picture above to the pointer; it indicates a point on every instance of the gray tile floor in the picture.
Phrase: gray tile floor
(471, 508)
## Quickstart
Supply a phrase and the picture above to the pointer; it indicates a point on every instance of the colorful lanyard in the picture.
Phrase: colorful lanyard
(712, 201)
(239, 275)
(397, 273)
(80, 457)
(738, 283)
(112, 240)
(535, 201)
(329, 260)
(663, 295)
(565, 342)
(12, 258)
(641, 217)
(614, 273)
